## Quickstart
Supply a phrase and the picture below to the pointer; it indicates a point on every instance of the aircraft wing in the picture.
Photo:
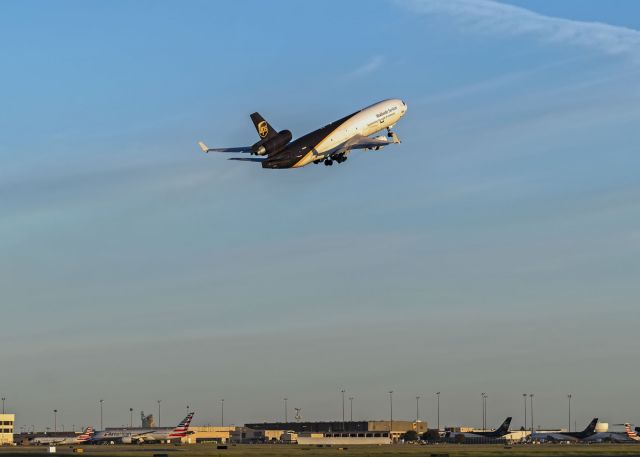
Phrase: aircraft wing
(206, 148)
(365, 142)
(248, 159)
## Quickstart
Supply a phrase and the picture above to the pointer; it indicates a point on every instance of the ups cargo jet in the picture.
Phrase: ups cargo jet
(493, 434)
(331, 143)
(567, 436)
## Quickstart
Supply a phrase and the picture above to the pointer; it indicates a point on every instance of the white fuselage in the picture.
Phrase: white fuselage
(372, 119)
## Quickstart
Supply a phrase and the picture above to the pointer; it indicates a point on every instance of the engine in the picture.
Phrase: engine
(127, 440)
(272, 145)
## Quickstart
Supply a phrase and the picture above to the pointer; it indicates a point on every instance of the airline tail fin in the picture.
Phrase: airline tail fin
(504, 428)
(591, 428)
(263, 128)
(631, 433)
(88, 433)
(183, 427)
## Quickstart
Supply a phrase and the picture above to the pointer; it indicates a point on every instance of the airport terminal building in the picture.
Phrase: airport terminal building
(337, 432)
(6, 428)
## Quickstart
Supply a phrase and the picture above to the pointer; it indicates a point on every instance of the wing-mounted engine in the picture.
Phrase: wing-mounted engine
(380, 138)
(127, 440)
(272, 145)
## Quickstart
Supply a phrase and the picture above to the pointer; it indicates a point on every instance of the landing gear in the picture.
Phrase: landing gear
(328, 162)
(341, 159)
(391, 134)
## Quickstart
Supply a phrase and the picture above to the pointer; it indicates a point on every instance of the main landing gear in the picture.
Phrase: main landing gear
(339, 159)
(329, 161)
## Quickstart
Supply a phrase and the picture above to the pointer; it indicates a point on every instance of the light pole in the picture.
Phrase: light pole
(101, 425)
(524, 397)
(131, 418)
(55, 420)
(3, 399)
(222, 411)
(569, 397)
(351, 409)
(438, 395)
(390, 413)
(531, 397)
(482, 395)
(159, 422)
(417, 410)
(342, 391)
(286, 415)
(485, 410)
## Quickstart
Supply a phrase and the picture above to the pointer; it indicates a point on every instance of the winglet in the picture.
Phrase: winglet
(203, 146)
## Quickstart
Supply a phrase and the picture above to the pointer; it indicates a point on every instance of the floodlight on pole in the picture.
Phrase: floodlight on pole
(524, 397)
(342, 391)
(531, 397)
(569, 397)
(101, 424)
(390, 414)
(438, 396)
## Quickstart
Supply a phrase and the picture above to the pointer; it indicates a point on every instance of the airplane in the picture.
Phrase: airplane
(84, 437)
(142, 435)
(589, 431)
(329, 144)
(494, 434)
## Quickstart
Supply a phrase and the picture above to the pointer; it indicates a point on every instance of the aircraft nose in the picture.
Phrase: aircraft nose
(404, 106)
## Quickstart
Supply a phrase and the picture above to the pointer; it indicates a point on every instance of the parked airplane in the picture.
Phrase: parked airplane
(497, 433)
(567, 436)
(143, 435)
(60, 440)
(333, 142)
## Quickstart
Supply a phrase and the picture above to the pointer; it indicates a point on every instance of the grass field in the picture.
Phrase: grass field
(593, 450)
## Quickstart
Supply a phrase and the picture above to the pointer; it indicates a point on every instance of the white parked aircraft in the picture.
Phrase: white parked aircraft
(60, 440)
(331, 143)
(142, 435)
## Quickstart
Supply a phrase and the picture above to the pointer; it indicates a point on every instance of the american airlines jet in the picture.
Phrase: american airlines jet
(84, 437)
(331, 143)
(144, 435)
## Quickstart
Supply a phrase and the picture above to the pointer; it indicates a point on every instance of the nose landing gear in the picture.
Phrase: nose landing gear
(391, 134)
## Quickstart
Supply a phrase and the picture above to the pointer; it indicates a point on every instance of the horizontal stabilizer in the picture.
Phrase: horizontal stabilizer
(206, 148)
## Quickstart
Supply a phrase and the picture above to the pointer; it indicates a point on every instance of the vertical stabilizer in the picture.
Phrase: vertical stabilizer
(264, 129)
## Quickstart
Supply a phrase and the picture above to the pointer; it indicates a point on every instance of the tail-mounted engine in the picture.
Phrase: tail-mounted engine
(272, 145)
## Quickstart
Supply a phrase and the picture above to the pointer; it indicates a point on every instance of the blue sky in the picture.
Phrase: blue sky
(496, 250)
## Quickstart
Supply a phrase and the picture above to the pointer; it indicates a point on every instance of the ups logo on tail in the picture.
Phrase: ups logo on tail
(263, 130)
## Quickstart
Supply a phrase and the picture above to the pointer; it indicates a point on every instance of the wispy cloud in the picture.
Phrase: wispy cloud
(495, 17)
(370, 66)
